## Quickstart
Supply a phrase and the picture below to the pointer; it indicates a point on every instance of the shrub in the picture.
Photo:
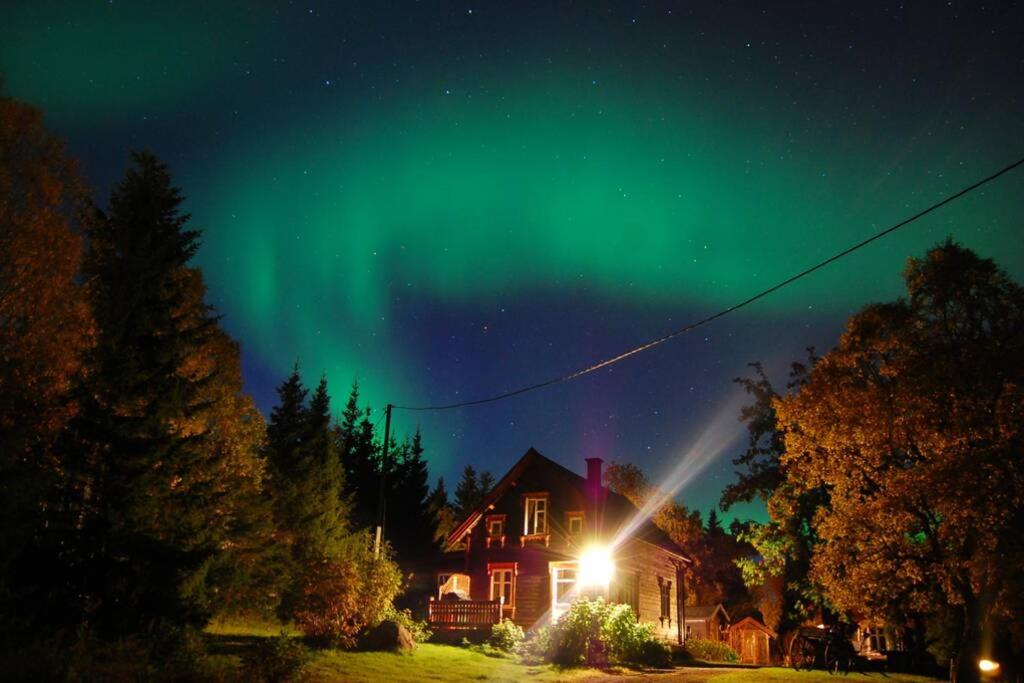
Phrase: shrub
(711, 650)
(631, 642)
(536, 647)
(342, 596)
(577, 637)
(597, 633)
(655, 653)
(276, 659)
(506, 636)
(419, 630)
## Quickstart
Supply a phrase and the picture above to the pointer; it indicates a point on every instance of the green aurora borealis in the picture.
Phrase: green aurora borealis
(380, 200)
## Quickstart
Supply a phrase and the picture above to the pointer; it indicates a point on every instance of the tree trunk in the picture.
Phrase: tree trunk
(966, 669)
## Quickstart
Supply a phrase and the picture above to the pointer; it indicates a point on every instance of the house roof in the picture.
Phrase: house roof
(704, 612)
(617, 506)
(752, 623)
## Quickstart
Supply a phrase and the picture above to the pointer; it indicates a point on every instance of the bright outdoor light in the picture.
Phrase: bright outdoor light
(596, 567)
(988, 666)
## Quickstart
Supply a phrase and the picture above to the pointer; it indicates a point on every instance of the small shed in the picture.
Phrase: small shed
(706, 621)
(752, 640)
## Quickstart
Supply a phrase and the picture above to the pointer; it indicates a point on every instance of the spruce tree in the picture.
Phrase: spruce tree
(154, 478)
(467, 493)
(325, 514)
(441, 512)
(484, 484)
(411, 528)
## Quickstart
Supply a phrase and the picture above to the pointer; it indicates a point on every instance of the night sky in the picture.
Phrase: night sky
(450, 200)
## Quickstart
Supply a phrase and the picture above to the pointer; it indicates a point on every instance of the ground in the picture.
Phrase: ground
(229, 642)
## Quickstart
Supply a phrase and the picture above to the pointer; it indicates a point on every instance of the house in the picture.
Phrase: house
(706, 621)
(545, 535)
(752, 640)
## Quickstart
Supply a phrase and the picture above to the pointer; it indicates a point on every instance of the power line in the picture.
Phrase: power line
(683, 330)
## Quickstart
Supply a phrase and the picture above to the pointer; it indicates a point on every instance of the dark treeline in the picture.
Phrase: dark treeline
(142, 493)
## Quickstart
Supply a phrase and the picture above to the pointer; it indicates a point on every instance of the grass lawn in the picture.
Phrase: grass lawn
(780, 675)
(436, 663)
(229, 642)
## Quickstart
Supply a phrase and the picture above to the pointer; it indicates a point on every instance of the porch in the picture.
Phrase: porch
(455, 615)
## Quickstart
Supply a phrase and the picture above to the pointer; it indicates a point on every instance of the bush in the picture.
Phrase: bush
(506, 635)
(711, 650)
(342, 596)
(630, 642)
(536, 648)
(276, 659)
(419, 630)
(597, 633)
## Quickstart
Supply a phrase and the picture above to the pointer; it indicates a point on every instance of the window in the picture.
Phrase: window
(665, 588)
(565, 581)
(563, 587)
(627, 591)
(536, 521)
(494, 530)
(496, 526)
(575, 523)
(503, 577)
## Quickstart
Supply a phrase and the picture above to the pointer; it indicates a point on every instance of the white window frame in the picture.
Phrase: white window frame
(535, 511)
(499, 576)
(559, 576)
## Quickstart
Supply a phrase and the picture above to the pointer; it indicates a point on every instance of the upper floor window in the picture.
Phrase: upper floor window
(575, 523)
(536, 518)
(495, 526)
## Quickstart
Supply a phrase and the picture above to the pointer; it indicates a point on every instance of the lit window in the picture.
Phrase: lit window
(575, 523)
(563, 587)
(536, 521)
(503, 584)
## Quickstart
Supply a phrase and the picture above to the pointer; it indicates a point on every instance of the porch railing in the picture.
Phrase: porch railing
(463, 614)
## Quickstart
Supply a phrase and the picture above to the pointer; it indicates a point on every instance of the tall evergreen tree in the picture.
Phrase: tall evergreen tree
(408, 502)
(325, 510)
(155, 477)
(467, 492)
(441, 512)
(484, 484)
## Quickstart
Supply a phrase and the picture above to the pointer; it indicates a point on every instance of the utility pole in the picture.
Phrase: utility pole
(381, 506)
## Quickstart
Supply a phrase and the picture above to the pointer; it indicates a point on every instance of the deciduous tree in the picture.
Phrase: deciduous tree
(913, 425)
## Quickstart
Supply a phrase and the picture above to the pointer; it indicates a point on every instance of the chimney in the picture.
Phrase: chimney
(595, 496)
(594, 477)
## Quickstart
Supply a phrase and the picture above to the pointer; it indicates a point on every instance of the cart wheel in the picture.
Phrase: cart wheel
(836, 659)
(801, 653)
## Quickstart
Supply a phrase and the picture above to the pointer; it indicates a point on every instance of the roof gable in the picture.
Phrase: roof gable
(751, 622)
(616, 506)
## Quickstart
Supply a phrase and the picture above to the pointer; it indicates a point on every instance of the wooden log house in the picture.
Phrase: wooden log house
(528, 548)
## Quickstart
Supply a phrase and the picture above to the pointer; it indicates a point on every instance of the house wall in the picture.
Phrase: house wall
(532, 558)
(650, 562)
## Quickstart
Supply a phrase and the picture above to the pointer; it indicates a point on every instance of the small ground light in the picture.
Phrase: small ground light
(988, 666)
(596, 567)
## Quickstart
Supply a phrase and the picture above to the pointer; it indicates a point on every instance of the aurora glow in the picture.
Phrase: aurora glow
(450, 203)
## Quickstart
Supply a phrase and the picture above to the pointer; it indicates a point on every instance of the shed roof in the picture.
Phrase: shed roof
(704, 612)
(748, 623)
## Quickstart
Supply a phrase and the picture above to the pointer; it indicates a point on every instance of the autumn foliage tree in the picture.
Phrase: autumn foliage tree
(45, 331)
(913, 424)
